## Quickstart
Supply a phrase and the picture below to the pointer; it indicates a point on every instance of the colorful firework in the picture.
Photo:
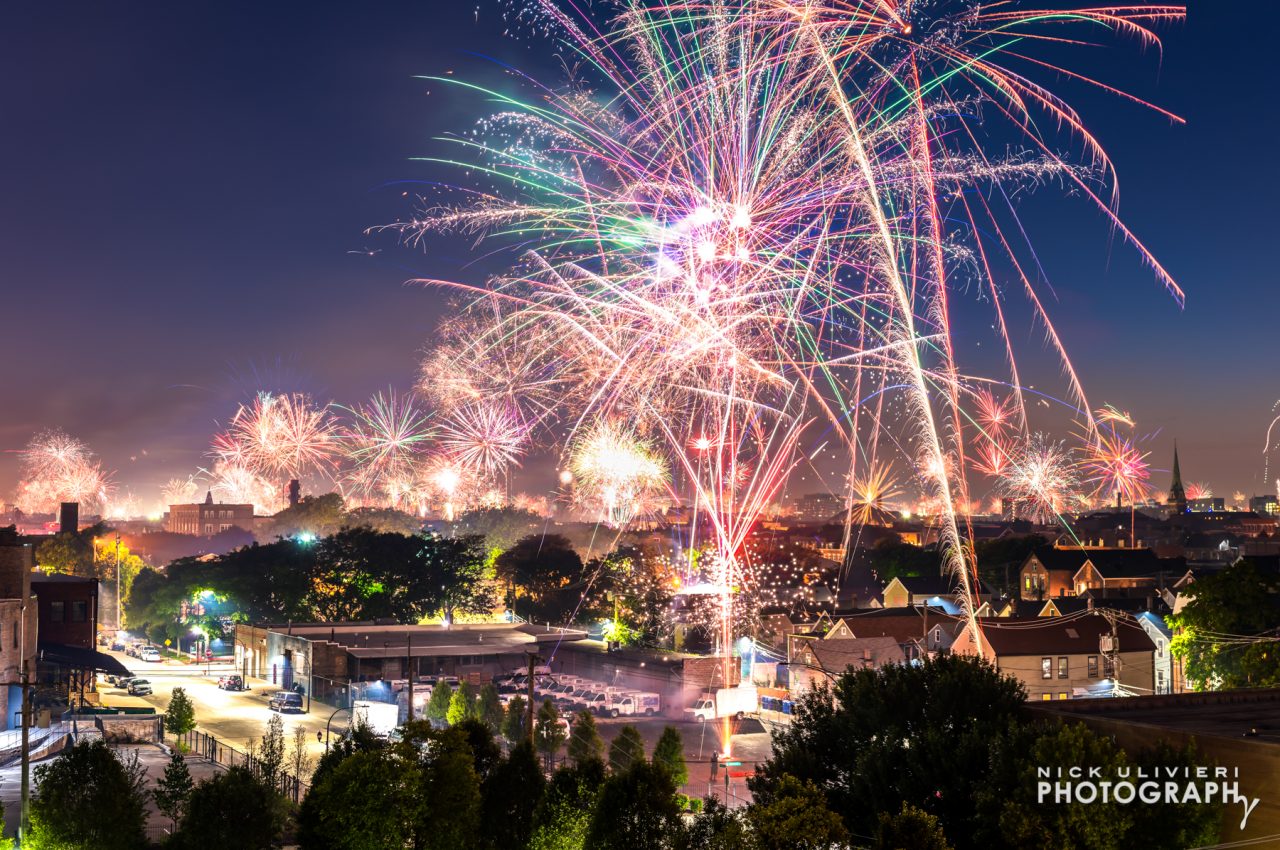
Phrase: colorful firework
(237, 484)
(1118, 469)
(615, 472)
(56, 467)
(1042, 479)
(485, 439)
(1199, 490)
(759, 218)
(285, 436)
(384, 441)
(870, 492)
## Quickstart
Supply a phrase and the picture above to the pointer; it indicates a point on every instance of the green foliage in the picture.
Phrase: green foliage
(513, 728)
(462, 705)
(441, 701)
(915, 734)
(318, 515)
(174, 789)
(669, 754)
(585, 743)
(370, 801)
(231, 809)
(1189, 825)
(909, 829)
(490, 708)
(717, 827)
(512, 793)
(485, 752)
(353, 574)
(180, 716)
(1056, 826)
(270, 752)
(796, 817)
(500, 527)
(548, 735)
(636, 808)
(563, 818)
(892, 558)
(626, 750)
(635, 582)
(89, 797)
(545, 577)
(451, 791)
(1240, 600)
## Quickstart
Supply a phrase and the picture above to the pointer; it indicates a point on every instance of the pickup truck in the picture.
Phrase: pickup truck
(627, 704)
(727, 702)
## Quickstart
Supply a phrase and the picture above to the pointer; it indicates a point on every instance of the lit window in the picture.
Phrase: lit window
(1046, 697)
(1093, 666)
(1046, 668)
(1062, 666)
(1062, 695)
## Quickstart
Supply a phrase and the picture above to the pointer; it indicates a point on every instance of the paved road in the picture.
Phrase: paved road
(236, 718)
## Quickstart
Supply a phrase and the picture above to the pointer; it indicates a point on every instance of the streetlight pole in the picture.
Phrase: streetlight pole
(118, 624)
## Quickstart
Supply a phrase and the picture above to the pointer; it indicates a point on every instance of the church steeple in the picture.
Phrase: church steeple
(1177, 495)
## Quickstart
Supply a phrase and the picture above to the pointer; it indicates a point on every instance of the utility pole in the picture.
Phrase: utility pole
(23, 818)
(410, 670)
(533, 662)
(118, 623)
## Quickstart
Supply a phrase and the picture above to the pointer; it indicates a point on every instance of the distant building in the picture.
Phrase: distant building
(208, 518)
(1265, 505)
(1177, 501)
(820, 506)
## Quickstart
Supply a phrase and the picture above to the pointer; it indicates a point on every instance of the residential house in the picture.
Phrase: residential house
(1160, 634)
(818, 660)
(1063, 658)
(937, 591)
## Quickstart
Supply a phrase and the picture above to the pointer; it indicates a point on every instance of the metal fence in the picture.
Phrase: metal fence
(211, 749)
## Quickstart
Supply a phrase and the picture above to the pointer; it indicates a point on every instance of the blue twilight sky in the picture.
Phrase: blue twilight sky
(185, 188)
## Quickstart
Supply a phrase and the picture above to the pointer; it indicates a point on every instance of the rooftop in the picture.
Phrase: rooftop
(373, 640)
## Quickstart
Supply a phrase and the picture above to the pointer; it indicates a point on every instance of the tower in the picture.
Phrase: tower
(1177, 495)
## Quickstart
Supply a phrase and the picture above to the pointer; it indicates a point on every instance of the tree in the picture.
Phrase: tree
(919, 734)
(270, 753)
(1239, 601)
(636, 808)
(585, 742)
(490, 708)
(543, 575)
(451, 793)
(796, 817)
(368, 802)
(717, 827)
(298, 760)
(485, 752)
(563, 819)
(669, 753)
(511, 794)
(461, 704)
(1184, 825)
(88, 797)
(513, 728)
(232, 809)
(174, 789)
(440, 702)
(459, 567)
(626, 750)
(500, 528)
(318, 515)
(180, 716)
(909, 829)
(548, 735)
(892, 558)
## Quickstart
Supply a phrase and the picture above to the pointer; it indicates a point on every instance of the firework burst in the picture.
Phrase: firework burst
(56, 467)
(615, 472)
(384, 441)
(1042, 479)
(280, 436)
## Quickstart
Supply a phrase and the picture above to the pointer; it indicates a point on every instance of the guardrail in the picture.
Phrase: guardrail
(204, 745)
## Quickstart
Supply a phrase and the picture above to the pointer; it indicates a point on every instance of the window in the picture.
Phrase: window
(79, 611)
(1062, 666)
(1061, 695)
(1093, 666)
(1046, 668)
(1108, 667)
(55, 612)
(1046, 697)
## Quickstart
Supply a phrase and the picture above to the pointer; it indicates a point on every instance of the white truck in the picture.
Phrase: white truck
(728, 702)
(623, 703)
(380, 717)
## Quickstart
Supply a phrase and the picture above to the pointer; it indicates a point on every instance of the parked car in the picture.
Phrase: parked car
(149, 653)
(139, 688)
(117, 645)
(285, 701)
(123, 681)
(234, 682)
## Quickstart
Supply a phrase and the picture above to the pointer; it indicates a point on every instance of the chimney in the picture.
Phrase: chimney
(295, 492)
(69, 517)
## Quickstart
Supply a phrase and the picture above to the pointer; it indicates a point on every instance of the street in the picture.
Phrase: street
(236, 718)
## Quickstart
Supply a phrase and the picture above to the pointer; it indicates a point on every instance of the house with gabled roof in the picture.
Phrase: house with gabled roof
(816, 661)
(1059, 658)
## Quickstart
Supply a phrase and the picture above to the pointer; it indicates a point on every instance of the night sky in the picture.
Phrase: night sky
(186, 188)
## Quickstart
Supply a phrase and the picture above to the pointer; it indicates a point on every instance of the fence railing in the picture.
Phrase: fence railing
(204, 745)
